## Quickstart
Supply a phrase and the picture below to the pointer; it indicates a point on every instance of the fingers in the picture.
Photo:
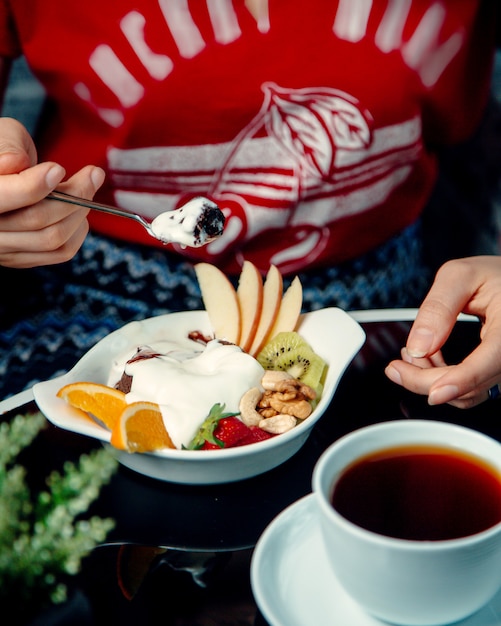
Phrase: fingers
(41, 248)
(470, 285)
(438, 313)
(423, 382)
(435, 360)
(413, 377)
(84, 183)
(29, 186)
(22, 181)
(475, 375)
(44, 231)
(33, 230)
(17, 149)
(463, 385)
(32, 185)
(45, 213)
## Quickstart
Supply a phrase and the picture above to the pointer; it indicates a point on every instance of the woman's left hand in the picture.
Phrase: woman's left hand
(473, 286)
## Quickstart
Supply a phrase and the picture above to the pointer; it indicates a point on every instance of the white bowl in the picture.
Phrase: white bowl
(331, 332)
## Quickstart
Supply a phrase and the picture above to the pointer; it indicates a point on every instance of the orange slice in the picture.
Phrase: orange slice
(140, 428)
(104, 403)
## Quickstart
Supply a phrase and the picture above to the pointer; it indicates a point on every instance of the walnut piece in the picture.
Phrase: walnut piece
(293, 406)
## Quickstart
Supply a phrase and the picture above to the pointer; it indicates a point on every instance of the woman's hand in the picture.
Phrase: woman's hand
(473, 286)
(35, 231)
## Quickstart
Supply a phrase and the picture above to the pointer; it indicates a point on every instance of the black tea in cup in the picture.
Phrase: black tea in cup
(416, 492)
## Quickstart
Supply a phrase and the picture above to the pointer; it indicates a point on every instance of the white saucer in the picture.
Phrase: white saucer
(294, 586)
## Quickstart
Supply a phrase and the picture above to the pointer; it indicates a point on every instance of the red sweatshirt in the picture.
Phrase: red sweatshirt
(312, 128)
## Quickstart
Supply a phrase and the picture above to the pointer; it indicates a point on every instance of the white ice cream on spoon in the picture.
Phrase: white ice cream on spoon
(194, 224)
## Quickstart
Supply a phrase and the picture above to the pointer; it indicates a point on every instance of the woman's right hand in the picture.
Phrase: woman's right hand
(35, 231)
(471, 285)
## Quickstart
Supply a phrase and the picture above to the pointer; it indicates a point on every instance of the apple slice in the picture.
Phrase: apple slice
(250, 300)
(272, 296)
(220, 301)
(290, 309)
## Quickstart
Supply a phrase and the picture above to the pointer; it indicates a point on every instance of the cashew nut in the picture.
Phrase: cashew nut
(272, 377)
(278, 424)
(247, 407)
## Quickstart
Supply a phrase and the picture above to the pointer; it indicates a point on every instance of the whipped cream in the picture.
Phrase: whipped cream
(186, 382)
(195, 224)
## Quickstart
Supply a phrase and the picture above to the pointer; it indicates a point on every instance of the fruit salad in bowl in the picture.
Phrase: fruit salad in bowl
(209, 396)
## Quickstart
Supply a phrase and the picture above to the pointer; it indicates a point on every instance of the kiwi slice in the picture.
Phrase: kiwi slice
(289, 352)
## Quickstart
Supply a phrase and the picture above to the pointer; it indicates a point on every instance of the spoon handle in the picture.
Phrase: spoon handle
(97, 206)
(194, 224)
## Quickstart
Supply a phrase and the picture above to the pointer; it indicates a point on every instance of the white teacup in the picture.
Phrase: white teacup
(413, 581)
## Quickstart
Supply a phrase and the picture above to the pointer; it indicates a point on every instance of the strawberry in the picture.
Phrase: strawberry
(228, 433)
(225, 430)
(254, 435)
(219, 430)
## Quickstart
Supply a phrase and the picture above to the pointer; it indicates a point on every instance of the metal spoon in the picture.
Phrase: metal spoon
(194, 224)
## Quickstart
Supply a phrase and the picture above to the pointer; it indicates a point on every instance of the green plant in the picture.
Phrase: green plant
(43, 536)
